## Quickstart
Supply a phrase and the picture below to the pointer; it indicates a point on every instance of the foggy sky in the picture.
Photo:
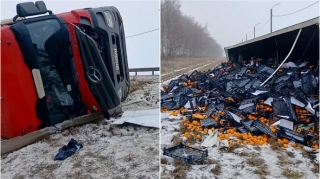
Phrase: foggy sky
(138, 17)
(229, 21)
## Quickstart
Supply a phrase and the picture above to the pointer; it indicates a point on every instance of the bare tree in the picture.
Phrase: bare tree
(183, 36)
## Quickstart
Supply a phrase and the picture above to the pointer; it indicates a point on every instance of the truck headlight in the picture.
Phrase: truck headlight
(109, 18)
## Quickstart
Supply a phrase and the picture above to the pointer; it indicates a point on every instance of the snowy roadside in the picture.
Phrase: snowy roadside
(225, 162)
(165, 79)
(109, 151)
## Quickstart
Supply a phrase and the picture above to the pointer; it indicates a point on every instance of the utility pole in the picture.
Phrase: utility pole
(254, 31)
(247, 35)
(271, 17)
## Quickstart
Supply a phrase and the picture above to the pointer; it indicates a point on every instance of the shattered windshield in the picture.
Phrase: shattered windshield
(56, 93)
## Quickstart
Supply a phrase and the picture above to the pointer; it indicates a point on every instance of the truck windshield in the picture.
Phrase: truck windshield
(45, 39)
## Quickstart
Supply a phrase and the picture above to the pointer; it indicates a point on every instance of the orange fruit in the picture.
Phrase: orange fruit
(198, 136)
(261, 142)
(186, 134)
(244, 142)
(230, 143)
(285, 140)
(299, 130)
(293, 145)
(285, 145)
(280, 141)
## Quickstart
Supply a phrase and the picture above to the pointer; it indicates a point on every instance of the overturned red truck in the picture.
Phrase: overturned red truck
(60, 66)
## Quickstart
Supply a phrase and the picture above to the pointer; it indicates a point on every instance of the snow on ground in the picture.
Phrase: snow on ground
(108, 151)
(146, 94)
(244, 162)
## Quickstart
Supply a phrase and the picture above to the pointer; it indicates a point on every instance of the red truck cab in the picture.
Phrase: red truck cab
(57, 67)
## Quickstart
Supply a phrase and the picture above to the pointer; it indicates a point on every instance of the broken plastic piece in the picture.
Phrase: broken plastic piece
(68, 150)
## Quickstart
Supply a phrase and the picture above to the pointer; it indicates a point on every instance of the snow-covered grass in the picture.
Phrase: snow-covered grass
(224, 162)
(188, 67)
(108, 151)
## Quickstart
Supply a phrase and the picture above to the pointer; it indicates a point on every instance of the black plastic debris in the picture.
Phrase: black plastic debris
(68, 150)
(248, 125)
(232, 96)
(185, 153)
(280, 108)
(265, 130)
(283, 132)
(209, 123)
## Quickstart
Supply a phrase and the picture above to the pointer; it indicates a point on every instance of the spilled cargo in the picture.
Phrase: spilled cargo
(254, 96)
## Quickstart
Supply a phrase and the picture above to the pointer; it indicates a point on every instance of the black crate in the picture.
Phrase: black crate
(185, 153)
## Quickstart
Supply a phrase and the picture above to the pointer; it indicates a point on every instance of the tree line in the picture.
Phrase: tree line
(183, 36)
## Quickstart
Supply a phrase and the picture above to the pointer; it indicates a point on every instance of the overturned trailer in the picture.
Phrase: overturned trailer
(277, 45)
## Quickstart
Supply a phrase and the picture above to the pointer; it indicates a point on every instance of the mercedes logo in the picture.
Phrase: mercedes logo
(94, 74)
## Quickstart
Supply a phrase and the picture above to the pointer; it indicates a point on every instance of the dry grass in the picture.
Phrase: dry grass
(216, 170)
(255, 161)
(164, 161)
(180, 169)
(291, 174)
(262, 170)
(230, 149)
(258, 148)
(168, 66)
(274, 144)
(315, 168)
(176, 140)
(78, 164)
(136, 84)
(207, 161)
(42, 171)
(283, 159)
(290, 154)
(183, 128)
(186, 65)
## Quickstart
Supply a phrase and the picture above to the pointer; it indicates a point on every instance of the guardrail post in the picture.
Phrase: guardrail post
(152, 73)
(136, 73)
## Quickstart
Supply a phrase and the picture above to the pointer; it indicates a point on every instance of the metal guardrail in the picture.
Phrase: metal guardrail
(136, 70)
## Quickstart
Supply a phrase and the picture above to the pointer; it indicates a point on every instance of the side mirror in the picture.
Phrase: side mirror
(41, 6)
(30, 9)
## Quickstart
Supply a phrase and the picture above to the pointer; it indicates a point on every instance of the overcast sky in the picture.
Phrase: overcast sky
(229, 21)
(138, 17)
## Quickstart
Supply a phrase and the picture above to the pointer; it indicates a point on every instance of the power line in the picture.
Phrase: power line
(263, 24)
(251, 35)
(295, 11)
(259, 28)
(142, 33)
